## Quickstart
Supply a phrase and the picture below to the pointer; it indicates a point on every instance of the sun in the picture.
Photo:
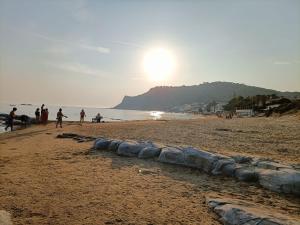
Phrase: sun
(159, 64)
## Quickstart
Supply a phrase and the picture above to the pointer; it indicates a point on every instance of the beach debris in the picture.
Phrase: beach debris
(238, 212)
(223, 129)
(67, 135)
(5, 218)
(78, 138)
(144, 171)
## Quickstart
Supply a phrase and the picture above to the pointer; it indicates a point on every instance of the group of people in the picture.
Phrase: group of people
(41, 116)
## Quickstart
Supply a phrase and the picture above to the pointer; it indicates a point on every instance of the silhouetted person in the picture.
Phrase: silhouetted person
(37, 115)
(10, 120)
(59, 117)
(98, 118)
(42, 108)
(82, 115)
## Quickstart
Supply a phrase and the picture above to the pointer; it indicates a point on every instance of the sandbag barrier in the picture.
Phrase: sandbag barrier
(238, 212)
(269, 174)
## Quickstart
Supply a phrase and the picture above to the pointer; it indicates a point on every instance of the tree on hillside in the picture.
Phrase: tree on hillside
(210, 105)
(256, 102)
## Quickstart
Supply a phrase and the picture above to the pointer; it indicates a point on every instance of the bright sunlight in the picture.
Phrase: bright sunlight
(159, 64)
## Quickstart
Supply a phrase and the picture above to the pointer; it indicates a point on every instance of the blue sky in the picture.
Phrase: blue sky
(80, 52)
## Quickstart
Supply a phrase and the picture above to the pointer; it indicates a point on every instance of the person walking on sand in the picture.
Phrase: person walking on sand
(59, 117)
(82, 115)
(37, 115)
(10, 121)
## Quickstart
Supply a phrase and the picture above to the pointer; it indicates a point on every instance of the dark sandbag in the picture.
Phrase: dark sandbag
(102, 144)
(248, 174)
(171, 155)
(200, 159)
(130, 148)
(149, 152)
(284, 181)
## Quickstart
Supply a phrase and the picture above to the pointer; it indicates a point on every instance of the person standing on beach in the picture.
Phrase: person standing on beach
(10, 121)
(42, 112)
(37, 115)
(82, 115)
(59, 117)
(44, 116)
(42, 108)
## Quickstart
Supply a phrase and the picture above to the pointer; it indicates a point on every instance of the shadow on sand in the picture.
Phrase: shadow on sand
(202, 182)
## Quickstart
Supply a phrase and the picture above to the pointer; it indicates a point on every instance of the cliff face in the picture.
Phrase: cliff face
(164, 98)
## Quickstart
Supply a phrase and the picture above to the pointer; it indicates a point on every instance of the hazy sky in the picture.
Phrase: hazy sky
(90, 53)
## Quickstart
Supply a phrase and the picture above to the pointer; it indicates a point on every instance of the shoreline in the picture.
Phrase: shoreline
(21, 127)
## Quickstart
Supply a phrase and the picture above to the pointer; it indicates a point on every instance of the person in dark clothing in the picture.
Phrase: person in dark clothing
(10, 121)
(46, 116)
(42, 108)
(98, 118)
(59, 117)
(42, 113)
(82, 115)
(37, 115)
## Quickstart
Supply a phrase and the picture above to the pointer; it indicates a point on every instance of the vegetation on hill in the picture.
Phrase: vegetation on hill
(250, 102)
(263, 103)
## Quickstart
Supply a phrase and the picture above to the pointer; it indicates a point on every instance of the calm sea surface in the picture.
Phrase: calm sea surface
(108, 114)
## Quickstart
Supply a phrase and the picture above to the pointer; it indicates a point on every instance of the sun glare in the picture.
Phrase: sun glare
(159, 64)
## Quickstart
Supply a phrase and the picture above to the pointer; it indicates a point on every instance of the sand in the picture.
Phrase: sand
(45, 180)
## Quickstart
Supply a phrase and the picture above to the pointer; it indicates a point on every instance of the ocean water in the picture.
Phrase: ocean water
(73, 113)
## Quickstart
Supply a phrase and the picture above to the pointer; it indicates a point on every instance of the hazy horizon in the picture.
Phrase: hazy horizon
(91, 53)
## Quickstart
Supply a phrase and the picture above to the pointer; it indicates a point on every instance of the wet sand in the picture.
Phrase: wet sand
(45, 180)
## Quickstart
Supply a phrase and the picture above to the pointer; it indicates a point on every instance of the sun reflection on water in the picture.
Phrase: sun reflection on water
(156, 114)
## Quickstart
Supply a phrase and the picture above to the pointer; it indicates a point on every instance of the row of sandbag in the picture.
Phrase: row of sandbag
(269, 174)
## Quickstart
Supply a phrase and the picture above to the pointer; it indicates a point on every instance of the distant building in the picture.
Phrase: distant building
(244, 112)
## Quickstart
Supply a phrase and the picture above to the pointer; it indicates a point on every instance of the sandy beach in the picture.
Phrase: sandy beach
(45, 180)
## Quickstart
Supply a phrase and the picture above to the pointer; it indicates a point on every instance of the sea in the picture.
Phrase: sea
(73, 113)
